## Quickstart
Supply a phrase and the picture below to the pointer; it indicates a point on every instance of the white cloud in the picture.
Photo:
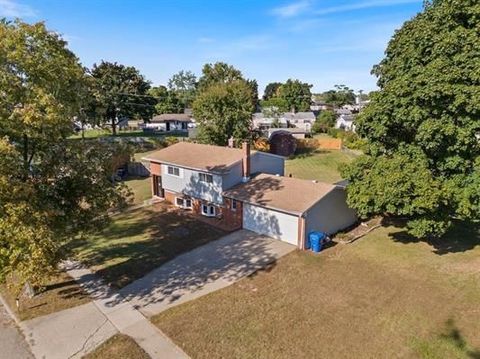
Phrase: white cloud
(363, 5)
(292, 9)
(11, 8)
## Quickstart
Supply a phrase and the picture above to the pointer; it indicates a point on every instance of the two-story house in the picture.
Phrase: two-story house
(238, 188)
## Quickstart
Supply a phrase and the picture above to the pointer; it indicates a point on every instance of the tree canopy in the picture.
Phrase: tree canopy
(121, 92)
(220, 72)
(51, 188)
(296, 94)
(166, 101)
(184, 85)
(325, 120)
(340, 96)
(271, 90)
(224, 110)
(423, 125)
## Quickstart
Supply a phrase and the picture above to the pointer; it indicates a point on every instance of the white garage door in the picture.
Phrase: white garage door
(270, 223)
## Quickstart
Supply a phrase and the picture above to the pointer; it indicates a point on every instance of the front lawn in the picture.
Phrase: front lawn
(141, 188)
(59, 293)
(138, 241)
(384, 296)
(118, 346)
(320, 165)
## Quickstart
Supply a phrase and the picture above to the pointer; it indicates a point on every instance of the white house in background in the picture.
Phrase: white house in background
(346, 122)
(300, 120)
(169, 122)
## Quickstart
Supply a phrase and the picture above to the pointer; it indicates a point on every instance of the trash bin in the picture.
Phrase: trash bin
(315, 240)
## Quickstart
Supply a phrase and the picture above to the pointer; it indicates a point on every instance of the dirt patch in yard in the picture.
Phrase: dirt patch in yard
(373, 298)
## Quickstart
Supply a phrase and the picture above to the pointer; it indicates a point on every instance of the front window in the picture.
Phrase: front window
(204, 177)
(174, 171)
(234, 204)
(208, 210)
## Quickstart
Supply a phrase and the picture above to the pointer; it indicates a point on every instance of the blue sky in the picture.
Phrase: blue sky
(323, 42)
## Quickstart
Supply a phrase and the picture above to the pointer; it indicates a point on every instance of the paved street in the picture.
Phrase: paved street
(12, 343)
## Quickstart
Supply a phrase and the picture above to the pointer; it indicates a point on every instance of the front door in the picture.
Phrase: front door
(157, 186)
(168, 126)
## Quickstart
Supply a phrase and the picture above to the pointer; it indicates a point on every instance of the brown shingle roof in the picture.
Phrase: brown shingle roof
(172, 117)
(286, 194)
(196, 156)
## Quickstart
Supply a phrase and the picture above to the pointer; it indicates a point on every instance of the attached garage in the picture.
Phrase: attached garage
(289, 209)
(271, 223)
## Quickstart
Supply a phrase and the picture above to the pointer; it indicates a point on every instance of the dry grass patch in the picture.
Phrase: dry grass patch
(61, 292)
(378, 297)
(139, 241)
(118, 346)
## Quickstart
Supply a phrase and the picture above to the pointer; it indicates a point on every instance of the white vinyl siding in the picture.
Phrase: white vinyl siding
(271, 223)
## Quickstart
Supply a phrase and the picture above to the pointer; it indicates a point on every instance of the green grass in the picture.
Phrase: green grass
(384, 296)
(140, 187)
(118, 346)
(97, 133)
(139, 241)
(321, 165)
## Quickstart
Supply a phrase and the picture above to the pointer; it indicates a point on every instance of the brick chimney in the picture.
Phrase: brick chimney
(246, 161)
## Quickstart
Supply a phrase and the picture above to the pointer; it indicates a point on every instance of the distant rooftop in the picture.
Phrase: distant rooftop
(182, 117)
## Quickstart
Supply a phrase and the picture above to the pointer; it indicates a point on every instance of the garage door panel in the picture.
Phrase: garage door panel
(271, 223)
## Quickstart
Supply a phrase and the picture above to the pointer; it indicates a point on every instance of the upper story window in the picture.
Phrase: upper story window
(174, 171)
(204, 177)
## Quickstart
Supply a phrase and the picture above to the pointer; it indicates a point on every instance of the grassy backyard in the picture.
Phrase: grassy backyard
(385, 295)
(138, 241)
(321, 165)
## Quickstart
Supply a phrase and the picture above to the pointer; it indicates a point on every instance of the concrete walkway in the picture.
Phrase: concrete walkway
(123, 316)
(203, 270)
(12, 342)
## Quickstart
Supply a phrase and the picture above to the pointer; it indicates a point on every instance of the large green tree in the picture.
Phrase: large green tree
(184, 85)
(341, 95)
(166, 100)
(219, 72)
(224, 110)
(296, 94)
(121, 92)
(271, 90)
(51, 188)
(325, 120)
(423, 125)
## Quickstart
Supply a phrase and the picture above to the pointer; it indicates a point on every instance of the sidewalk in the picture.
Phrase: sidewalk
(124, 317)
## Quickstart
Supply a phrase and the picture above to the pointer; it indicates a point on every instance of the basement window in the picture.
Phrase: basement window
(208, 210)
(185, 203)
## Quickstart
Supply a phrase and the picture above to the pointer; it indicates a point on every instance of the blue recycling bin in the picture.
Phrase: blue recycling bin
(315, 241)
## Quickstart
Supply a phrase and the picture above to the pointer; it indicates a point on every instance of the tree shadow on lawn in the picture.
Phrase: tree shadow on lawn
(462, 237)
(157, 237)
(301, 153)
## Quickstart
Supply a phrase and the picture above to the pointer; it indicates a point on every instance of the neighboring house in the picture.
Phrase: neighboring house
(237, 188)
(168, 122)
(301, 120)
(345, 122)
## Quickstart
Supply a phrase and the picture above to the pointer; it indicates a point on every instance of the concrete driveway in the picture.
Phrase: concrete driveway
(205, 269)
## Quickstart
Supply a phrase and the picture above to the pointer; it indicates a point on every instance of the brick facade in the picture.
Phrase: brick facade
(226, 218)
(155, 168)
